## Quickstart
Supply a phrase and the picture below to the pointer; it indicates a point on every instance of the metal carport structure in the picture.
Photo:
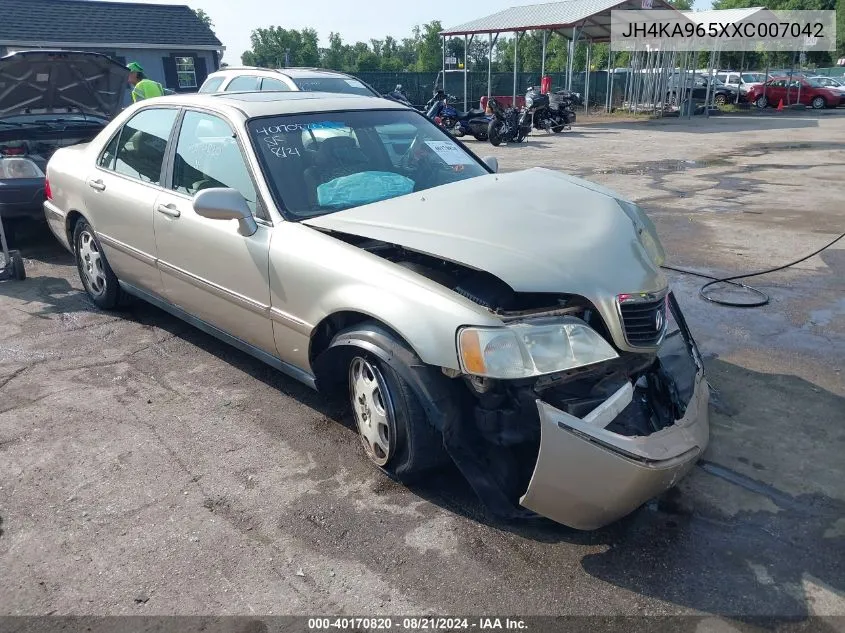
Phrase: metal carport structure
(574, 20)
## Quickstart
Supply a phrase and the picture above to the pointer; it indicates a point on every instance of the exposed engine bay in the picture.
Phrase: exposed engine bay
(498, 452)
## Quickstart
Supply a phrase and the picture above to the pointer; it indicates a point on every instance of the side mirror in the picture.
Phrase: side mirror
(225, 204)
(492, 162)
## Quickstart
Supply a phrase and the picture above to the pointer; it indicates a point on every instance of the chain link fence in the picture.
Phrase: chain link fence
(420, 86)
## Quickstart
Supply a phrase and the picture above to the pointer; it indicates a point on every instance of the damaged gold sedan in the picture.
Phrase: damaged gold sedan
(518, 324)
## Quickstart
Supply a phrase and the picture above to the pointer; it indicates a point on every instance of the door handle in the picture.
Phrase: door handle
(97, 184)
(168, 210)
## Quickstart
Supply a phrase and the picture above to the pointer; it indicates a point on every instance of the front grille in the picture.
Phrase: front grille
(644, 321)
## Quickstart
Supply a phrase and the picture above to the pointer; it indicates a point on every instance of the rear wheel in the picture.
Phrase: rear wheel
(818, 103)
(494, 132)
(97, 277)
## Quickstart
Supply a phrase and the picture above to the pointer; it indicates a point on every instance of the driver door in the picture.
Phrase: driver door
(208, 269)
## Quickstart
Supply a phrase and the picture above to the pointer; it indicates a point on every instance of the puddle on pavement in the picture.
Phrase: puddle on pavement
(657, 167)
(663, 167)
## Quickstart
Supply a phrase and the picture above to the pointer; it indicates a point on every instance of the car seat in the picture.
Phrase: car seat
(336, 157)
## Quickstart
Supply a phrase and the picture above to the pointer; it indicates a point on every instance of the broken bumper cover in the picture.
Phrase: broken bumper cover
(587, 476)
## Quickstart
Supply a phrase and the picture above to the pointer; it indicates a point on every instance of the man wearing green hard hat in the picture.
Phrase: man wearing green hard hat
(142, 88)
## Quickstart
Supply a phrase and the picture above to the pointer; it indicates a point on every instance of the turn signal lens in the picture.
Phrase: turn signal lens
(471, 352)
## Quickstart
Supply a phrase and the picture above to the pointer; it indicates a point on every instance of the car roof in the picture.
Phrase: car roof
(259, 104)
(293, 73)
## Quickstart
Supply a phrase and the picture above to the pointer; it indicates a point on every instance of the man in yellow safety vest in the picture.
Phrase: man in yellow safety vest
(142, 88)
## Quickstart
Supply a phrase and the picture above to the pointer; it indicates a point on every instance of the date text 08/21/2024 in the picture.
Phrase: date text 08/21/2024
(426, 623)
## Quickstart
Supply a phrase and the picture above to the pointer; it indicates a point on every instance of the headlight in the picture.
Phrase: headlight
(646, 232)
(523, 350)
(17, 167)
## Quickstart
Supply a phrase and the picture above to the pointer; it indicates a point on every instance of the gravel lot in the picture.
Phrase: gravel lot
(146, 468)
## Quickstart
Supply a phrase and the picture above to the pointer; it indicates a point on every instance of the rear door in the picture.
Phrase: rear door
(209, 269)
(122, 191)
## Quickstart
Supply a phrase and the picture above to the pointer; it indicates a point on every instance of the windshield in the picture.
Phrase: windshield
(333, 84)
(815, 83)
(321, 163)
(753, 77)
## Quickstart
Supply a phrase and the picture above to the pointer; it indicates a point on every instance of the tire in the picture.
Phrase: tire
(720, 100)
(493, 134)
(18, 270)
(97, 278)
(557, 129)
(391, 423)
(761, 102)
(818, 103)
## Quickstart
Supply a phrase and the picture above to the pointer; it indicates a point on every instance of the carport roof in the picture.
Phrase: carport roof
(592, 16)
(723, 15)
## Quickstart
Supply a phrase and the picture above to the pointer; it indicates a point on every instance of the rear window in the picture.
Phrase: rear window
(333, 84)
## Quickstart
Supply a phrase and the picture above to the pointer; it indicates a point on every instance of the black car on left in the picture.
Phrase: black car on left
(49, 99)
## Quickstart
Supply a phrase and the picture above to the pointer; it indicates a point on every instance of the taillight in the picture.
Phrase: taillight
(47, 192)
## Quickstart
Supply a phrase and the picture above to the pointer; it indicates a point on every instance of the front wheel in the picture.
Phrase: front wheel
(720, 100)
(761, 102)
(97, 277)
(392, 425)
(494, 133)
(818, 103)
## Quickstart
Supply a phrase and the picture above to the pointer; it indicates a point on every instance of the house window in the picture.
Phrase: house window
(185, 72)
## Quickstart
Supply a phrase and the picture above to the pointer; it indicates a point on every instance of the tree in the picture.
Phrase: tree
(334, 56)
(271, 47)
(681, 5)
(204, 18)
(429, 53)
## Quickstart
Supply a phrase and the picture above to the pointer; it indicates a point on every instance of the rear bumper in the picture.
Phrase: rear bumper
(587, 477)
(57, 221)
(21, 199)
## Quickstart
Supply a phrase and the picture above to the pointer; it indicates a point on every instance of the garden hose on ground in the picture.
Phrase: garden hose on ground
(703, 293)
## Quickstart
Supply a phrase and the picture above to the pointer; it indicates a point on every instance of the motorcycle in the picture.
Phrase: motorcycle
(399, 95)
(565, 102)
(508, 125)
(552, 113)
(458, 124)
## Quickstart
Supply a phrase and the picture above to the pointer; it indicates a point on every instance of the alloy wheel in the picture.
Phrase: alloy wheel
(372, 408)
(91, 264)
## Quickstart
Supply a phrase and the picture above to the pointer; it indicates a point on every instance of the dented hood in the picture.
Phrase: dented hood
(43, 81)
(538, 230)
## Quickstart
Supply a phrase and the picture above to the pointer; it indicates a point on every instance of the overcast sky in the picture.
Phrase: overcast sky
(355, 20)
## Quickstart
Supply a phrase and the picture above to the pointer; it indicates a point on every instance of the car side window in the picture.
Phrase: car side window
(106, 160)
(207, 156)
(274, 84)
(212, 85)
(142, 144)
(244, 83)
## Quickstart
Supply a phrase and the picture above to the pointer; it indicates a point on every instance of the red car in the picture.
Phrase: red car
(797, 90)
